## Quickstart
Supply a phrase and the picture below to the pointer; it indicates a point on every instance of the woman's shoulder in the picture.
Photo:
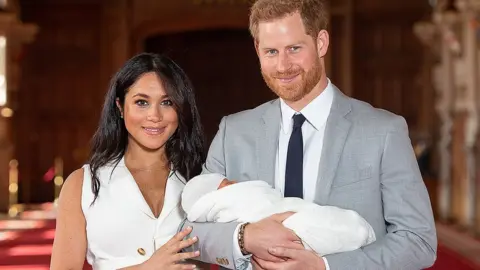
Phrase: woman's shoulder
(75, 179)
(78, 182)
(72, 187)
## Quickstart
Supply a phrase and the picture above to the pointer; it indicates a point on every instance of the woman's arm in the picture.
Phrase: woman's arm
(70, 244)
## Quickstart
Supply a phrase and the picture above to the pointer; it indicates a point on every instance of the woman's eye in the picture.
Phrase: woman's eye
(167, 102)
(141, 102)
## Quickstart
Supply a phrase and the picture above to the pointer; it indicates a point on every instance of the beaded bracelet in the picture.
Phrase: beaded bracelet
(241, 241)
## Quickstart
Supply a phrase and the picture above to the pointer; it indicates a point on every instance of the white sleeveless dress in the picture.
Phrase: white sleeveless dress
(121, 229)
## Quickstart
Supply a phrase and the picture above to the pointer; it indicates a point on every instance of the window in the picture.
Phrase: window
(3, 75)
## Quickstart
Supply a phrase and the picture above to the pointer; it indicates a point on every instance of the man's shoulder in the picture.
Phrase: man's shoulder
(250, 116)
(369, 116)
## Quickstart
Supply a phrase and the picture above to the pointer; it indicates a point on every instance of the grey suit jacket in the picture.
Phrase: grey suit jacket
(367, 165)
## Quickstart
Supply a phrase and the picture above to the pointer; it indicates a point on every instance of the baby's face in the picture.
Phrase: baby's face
(225, 183)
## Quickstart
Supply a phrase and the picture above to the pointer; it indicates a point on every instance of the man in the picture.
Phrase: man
(316, 143)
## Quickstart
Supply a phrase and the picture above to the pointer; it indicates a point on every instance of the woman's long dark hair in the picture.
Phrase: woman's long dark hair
(185, 149)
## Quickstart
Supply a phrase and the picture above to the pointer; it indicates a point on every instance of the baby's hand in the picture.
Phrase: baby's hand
(225, 183)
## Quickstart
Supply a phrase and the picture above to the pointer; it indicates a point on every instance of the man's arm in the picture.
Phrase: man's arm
(216, 240)
(411, 241)
(215, 162)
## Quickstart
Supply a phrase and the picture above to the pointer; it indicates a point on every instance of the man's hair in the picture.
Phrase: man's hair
(313, 12)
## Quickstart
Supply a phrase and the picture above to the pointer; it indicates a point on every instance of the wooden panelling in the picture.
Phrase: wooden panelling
(223, 67)
(387, 61)
(60, 96)
(392, 9)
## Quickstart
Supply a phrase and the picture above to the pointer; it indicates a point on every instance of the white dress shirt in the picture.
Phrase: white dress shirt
(316, 113)
(313, 130)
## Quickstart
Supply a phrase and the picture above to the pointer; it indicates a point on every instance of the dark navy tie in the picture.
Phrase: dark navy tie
(294, 167)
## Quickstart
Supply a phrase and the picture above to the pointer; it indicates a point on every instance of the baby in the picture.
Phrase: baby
(323, 229)
(225, 182)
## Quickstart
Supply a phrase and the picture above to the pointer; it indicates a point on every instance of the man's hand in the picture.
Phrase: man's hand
(294, 259)
(270, 232)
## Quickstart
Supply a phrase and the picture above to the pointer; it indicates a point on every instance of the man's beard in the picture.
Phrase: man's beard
(294, 91)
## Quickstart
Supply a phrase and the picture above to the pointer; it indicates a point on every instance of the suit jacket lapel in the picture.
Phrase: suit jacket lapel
(267, 142)
(336, 132)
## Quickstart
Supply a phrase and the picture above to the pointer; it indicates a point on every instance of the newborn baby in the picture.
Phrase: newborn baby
(225, 182)
(323, 229)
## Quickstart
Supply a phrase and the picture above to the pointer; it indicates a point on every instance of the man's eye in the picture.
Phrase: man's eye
(295, 49)
(271, 52)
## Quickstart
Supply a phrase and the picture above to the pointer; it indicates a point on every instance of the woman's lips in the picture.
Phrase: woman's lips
(153, 131)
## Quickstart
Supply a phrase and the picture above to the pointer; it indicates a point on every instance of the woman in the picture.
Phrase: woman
(123, 208)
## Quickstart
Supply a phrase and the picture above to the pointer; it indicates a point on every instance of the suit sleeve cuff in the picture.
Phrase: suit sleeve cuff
(241, 261)
(327, 267)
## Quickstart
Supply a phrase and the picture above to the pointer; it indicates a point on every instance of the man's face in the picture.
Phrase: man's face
(289, 58)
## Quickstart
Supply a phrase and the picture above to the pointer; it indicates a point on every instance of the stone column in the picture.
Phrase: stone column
(438, 37)
(470, 84)
(443, 85)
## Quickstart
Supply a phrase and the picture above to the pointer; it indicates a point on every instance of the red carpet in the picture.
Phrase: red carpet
(449, 259)
(26, 244)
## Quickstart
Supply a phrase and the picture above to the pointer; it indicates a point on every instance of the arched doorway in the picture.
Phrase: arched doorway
(223, 67)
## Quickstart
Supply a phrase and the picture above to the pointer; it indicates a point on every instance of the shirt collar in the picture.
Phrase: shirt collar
(316, 112)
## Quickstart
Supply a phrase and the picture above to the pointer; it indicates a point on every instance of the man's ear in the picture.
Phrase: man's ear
(119, 106)
(323, 41)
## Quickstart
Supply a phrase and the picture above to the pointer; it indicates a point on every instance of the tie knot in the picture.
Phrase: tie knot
(298, 120)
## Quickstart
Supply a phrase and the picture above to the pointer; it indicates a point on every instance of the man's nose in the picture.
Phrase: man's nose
(283, 63)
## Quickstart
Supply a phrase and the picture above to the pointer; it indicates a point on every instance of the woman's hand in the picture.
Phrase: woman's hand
(170, 257)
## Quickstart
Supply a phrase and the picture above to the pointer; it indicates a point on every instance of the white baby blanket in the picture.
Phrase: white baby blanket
(323, 229)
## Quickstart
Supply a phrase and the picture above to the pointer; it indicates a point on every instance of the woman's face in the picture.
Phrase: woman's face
(148, 112)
